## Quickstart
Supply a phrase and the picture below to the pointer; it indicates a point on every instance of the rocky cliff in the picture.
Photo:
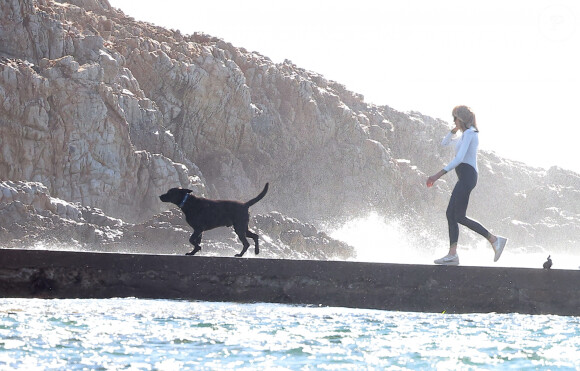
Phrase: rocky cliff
(99, 114)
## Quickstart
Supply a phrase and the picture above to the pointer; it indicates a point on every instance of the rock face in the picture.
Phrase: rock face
(100, 114)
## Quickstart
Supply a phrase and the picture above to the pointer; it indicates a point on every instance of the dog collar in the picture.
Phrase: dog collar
(184, 199)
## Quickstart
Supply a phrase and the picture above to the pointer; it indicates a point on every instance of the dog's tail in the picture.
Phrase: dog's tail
(258, 197)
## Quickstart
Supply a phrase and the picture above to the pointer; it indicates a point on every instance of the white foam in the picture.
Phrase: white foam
(377, 239)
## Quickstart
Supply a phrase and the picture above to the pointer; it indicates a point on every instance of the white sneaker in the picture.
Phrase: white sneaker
(498, 246)
(448, 260)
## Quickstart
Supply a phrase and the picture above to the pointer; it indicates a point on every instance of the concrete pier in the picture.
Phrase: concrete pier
(398, 287)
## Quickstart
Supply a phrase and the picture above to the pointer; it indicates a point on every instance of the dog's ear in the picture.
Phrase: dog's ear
(187, 190)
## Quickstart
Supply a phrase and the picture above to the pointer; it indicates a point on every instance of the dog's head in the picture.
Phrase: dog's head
(175, 195)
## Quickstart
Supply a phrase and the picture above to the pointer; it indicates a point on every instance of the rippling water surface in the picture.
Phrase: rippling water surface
(137, 334)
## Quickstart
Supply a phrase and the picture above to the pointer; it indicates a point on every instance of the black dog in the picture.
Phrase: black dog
(203, 214)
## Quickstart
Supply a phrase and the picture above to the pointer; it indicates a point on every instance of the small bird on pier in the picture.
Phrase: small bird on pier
(548, 263)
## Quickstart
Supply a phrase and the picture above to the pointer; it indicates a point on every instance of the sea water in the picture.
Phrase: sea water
(139, 334)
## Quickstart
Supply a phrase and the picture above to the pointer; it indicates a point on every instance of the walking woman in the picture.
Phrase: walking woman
(465, 165)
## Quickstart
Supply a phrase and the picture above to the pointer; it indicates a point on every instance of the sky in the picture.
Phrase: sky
(515, 63)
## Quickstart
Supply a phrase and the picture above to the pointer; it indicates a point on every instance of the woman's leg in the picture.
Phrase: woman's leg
(456, 214)
(467, 182)
(474, 225)
(452, 223)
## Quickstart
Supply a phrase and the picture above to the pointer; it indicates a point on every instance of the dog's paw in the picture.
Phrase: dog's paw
(239, 255)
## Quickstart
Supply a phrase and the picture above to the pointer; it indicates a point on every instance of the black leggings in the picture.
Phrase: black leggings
(458, 204)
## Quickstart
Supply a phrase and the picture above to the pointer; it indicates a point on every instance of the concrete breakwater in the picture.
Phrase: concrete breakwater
(400, 287)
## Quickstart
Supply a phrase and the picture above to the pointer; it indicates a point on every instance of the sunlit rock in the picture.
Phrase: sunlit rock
(106, 113)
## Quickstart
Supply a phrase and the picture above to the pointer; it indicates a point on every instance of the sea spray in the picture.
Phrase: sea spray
(381, 240)
(378, 239)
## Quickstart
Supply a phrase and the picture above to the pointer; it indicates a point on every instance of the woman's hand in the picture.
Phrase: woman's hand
(433, 178)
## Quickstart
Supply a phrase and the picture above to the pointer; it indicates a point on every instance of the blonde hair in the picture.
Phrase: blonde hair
(466, 116)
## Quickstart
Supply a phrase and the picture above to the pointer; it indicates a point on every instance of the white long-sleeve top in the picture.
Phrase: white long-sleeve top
(465, 148)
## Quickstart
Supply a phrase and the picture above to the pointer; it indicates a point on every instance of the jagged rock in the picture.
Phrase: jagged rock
(31, 217)
(108, 113)
(64, 130)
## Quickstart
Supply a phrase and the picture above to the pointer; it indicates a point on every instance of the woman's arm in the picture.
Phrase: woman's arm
(467, 136)
(448, 139)
(465, 141)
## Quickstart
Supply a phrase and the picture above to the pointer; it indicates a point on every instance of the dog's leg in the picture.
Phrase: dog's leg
(242, 236)
(195, 240)
(254, 237)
